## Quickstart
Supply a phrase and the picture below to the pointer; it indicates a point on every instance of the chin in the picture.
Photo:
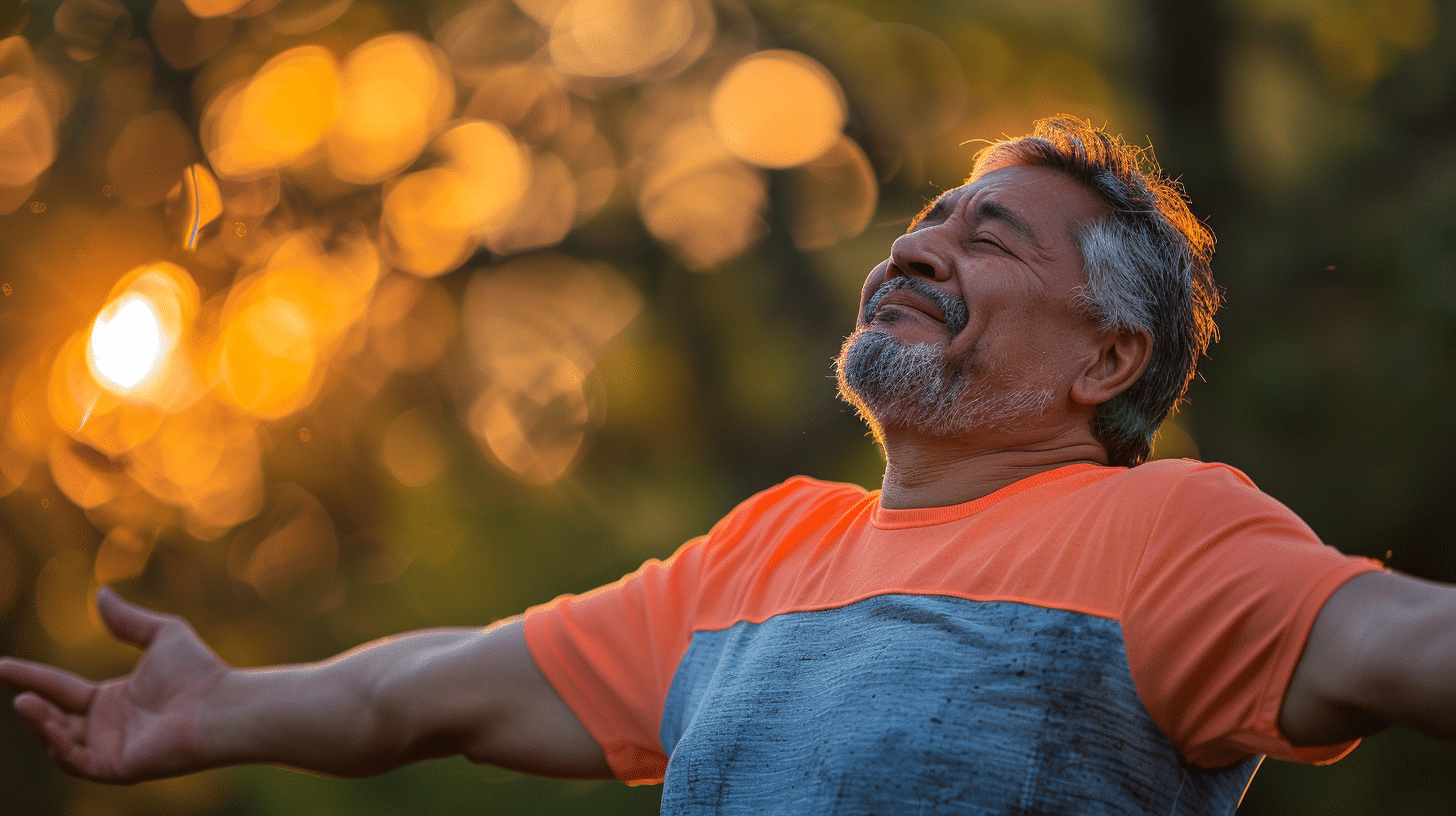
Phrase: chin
(893, 384)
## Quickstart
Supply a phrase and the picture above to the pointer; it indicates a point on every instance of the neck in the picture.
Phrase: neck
(924, 471)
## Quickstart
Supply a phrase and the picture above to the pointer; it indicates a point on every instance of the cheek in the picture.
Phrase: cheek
(1020, 343)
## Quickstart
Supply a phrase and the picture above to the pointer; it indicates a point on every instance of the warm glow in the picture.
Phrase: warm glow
(332, 288)
(778, 109)
(614, 38)
(699, 199)
(832, 197)
(283, 112)
(82, 406)
(130, 348)
(395, 91)
(535, 327)
(544, 215)
(436, 216)
(493, 165)
(424, 215)
(87, 478)
(213, 8)
(127, 344)
(27, 135)
(268, 357)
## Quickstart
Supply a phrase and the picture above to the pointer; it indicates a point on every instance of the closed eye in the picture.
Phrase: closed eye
(987, 240)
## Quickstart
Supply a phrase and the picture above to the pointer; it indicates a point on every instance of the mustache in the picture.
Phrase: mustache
(953, 308)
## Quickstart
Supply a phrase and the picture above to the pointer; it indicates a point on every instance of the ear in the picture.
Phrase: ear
(1122, 357)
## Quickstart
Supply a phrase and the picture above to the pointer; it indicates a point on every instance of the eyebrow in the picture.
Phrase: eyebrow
(986, 210)
(931, 210)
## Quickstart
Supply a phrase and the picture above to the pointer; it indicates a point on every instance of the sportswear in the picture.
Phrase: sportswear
(1086, 640)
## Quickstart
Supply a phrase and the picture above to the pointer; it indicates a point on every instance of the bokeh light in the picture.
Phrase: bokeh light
(27, 123)
(535, 328)
(132, 341)
(832, 197)
(412, 450)
(394, 91)
(617, 38)
(778, 109)
(277, 116)
(127, 344)
(436, 217)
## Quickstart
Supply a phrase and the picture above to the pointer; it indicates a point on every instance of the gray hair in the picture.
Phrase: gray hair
(1147, 267)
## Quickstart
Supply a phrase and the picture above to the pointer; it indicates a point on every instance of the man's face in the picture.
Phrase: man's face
(971, 324)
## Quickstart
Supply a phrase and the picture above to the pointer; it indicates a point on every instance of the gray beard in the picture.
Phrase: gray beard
(893, 385)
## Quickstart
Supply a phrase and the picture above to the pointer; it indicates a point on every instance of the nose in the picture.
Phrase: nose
(916, 254)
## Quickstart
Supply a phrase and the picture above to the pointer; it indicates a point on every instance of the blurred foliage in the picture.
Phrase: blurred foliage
(446, 308)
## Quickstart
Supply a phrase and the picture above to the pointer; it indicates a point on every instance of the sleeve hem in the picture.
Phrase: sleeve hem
(630, 763)
(1271, 701)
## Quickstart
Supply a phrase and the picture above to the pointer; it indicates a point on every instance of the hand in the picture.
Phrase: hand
(143, 726)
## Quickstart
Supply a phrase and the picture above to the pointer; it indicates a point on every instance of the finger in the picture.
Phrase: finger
(60, 732)
(69, 691)
(130, 623)
(50, 724)
(37, 711)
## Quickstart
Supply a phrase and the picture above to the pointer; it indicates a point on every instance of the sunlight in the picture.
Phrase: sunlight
(127, 344)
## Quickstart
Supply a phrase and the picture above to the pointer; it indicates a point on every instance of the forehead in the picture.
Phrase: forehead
(1048, 200)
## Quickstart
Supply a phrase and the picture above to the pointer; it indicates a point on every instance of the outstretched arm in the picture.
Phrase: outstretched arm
(1382, 652)
(419, 695)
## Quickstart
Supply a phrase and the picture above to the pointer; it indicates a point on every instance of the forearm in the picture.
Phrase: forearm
(476, 692)
(354, 715)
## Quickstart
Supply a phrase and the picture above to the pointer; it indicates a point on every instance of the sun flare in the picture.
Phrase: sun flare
(127, 344)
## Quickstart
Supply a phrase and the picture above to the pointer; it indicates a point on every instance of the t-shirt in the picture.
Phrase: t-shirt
(1087, 640)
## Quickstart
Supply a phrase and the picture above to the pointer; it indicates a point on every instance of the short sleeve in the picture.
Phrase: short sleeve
(611, 653)
(1218, 612)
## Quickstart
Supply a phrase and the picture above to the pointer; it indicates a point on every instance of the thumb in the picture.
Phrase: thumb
(128, 622)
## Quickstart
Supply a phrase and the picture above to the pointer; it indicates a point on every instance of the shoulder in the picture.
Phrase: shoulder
(807, 488)
(790, 502)
(1188, 487)
(1186, 474)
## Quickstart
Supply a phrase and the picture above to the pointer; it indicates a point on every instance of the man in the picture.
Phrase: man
(1024, 619)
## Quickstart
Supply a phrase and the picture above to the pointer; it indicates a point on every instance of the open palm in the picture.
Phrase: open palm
(142, 726)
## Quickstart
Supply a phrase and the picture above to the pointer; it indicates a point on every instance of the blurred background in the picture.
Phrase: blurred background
(325, 319)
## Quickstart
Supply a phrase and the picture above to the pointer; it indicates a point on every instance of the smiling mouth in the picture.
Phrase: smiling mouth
(898, 299)
(920, 296)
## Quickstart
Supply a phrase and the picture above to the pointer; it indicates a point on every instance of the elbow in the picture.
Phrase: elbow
(418, 711)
